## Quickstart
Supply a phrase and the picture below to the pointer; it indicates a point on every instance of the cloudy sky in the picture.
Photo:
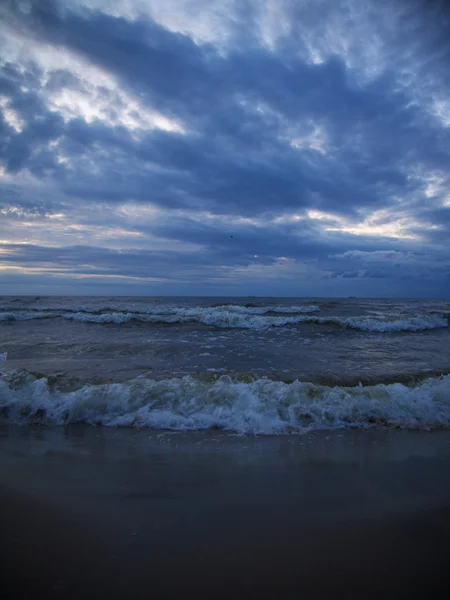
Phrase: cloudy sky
(241, 147)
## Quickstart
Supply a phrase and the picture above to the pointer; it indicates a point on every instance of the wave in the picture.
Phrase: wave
(261, 406)
(172, 310)
(370, 324)
(241, 318)
(225, 316)
(20, 316)
(222, 319)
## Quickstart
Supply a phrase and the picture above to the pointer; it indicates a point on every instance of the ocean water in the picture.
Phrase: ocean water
(248, 365)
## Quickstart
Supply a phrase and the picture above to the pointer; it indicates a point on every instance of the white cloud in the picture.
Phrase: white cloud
(379, 255)
(95, 95)
(10, 115)
(387, 223)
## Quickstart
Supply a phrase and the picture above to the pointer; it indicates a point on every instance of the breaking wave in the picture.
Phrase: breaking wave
(235, 316)
(419, 323)
(175, 310)
(261, 406)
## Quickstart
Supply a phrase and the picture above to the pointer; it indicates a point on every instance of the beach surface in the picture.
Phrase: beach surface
(97, 512)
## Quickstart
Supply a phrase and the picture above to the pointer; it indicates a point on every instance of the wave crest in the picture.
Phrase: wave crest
(258, 407)
(241, 318)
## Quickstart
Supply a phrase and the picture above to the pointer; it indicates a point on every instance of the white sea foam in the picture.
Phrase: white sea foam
(294, 309)
(418, 323)
(112, 317)
(260, 407)
(240, 317)
(236, 319)
(167, 309)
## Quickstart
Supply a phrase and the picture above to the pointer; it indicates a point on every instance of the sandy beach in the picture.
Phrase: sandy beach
(90, 512)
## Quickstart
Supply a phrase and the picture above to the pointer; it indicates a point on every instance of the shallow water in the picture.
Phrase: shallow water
(348, 339)
(236, 363)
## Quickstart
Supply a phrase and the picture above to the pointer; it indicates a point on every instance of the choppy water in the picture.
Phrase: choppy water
(261, 365)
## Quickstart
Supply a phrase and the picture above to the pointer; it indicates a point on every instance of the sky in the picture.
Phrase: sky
(225, 147)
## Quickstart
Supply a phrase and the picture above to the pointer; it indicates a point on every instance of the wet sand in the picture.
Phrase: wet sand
(91, 513)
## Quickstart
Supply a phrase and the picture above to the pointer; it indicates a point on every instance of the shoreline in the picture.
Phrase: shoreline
(90, 512)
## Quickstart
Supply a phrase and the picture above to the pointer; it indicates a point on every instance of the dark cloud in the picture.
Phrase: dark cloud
(267, 133)
(91, 260)
(28, 146)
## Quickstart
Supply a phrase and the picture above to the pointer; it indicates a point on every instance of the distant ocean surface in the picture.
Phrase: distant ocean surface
(247, 365)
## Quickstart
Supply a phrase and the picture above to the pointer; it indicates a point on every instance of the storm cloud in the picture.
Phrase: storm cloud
(245, 147)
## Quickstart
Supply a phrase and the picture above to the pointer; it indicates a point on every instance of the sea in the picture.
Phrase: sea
(248, 366)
